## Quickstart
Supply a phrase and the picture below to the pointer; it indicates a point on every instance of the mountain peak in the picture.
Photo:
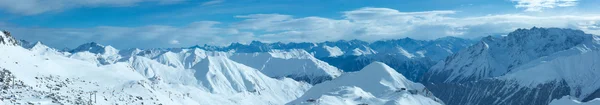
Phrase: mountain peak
(377, 84)
(92, 47)
(378, 67)
(7, 39)
(536, 32)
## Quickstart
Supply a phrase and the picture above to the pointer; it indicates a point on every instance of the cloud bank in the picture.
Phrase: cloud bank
(367, 24)
(539, 5)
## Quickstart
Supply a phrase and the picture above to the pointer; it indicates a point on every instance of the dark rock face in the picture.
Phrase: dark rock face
(412, 69)
(592, 96)
(7, 39)
(470, 76)
(498, 92)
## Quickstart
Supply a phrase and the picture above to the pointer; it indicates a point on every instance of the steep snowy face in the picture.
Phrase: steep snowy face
(346, 48)
(96, 53)
(529, 66)
(41, 49)
(334, 51)
(176, 57)
(7, 39)
(376, 84)
(295, 64)
(497, 56)
(91, 47)
(434, 49)
(220, 75)
(154, 70)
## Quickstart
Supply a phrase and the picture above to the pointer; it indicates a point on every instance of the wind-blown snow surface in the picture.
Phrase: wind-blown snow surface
(376, 84)
(566, 100)
(529, 66)
(44, 76)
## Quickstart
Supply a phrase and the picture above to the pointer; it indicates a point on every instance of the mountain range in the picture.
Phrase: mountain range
(537, 66)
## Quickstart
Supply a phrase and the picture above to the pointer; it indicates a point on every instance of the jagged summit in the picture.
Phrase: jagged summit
(496, 56)
(7, 39)
(310, 70)
(92, 47)
(548, 62)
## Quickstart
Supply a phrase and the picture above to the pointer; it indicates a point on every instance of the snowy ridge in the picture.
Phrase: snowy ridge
(334, 51)
(7, 39)
(96, 53)
(435, 49)
(566, 100)
(42, 49)
(497, 56)
(529, 66)
(299, 65)
(223, 76)
(52, 78)
(376, 84)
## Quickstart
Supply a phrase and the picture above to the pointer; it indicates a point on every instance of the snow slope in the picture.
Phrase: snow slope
(376, 84)
(223, 76)
(566, 100)
(296, 64)
(493, 57)
(96, 53)
(30, 77)
(529, 66)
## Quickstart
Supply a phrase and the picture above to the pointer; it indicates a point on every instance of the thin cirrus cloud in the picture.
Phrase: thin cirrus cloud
(367, 24)
(33, 7)
(212, 2)
(539, 5)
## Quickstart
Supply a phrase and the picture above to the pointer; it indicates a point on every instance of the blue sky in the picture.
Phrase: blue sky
(181, 23)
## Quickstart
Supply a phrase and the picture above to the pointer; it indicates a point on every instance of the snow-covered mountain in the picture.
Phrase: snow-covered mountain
(376, 84)
(42, 75)
(96, 53)
(7, 39)
(529, 66)
(408, 56)
(296, 64)
(434, 49)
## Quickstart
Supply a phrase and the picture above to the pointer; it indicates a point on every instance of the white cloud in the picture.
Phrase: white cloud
(32, 7)
(151, 36)
(174, 42)
(212, 2)
(367, 24)
(384, 23)
(539, 5)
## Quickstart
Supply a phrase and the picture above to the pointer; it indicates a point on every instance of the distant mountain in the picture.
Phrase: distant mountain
(527, 67)
(434, 49)
(408, 56)
(296, 64)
